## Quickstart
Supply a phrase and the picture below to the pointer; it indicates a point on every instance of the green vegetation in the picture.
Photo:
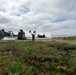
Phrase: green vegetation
(53, 57)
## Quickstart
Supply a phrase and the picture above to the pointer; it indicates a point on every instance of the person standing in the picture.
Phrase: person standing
(33, 34)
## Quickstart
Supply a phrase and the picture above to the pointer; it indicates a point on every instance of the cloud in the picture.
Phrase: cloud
(52, 17)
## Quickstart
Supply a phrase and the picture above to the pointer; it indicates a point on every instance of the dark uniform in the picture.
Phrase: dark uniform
(33, 36)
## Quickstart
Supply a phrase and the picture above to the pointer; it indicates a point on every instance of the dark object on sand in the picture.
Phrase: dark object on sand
(21, 35)
(9, 34)
(41, 36)
(3, 34)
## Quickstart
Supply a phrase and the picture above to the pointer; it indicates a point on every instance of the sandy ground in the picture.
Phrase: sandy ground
(27, 39)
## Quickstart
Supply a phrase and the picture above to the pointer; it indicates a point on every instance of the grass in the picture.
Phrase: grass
(53, 57)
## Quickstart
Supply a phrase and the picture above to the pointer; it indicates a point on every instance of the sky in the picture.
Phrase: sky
(49, 17)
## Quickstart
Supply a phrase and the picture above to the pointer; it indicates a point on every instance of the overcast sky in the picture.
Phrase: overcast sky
(50, 17)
